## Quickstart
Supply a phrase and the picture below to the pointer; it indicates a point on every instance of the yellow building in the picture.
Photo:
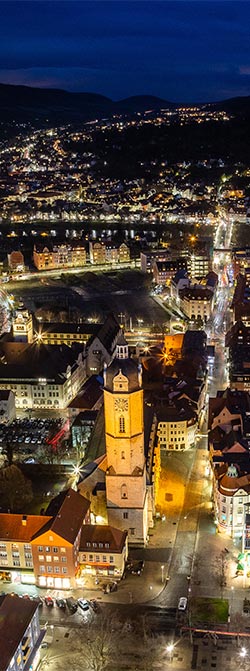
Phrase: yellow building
(60, 256)
(124, 436)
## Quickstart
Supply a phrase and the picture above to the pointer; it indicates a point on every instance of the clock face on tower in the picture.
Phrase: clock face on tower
(121, 404)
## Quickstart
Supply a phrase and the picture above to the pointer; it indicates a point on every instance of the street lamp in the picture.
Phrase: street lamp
(243, 652)
(169, 650)
(162, 573)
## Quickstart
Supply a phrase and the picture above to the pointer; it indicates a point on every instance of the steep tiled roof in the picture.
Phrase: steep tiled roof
(104, 534)
(70, 510)
(21, 527)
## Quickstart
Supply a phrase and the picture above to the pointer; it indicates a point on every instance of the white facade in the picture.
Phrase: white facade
(229, 511)
(7, 407)
(176, 435)
(32, 393)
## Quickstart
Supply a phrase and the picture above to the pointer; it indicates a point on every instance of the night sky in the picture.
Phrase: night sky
(180, 51)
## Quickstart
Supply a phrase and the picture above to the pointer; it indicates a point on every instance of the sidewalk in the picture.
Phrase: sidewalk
(154, 577)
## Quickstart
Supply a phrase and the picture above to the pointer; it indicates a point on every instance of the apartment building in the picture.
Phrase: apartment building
(43, 549)
(108, 252)
(49, 257)
(177, 427)
(103, 551)
(20, 634)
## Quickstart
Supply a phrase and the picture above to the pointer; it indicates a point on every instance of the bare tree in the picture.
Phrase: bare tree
(220, 569)
(98, 647)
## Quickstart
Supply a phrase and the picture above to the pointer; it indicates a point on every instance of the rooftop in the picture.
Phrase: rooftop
(15, 616)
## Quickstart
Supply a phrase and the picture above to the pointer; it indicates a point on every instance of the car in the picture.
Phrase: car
(44, 644)
(95, 606)
(137, 567)
(29, 460)
(182, 604)
(109, 587)
(61, 603)
(72, 605)
(84, 604)
(49, 601)
(27, 440)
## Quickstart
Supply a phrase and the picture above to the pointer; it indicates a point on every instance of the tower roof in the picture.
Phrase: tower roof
(127, 368)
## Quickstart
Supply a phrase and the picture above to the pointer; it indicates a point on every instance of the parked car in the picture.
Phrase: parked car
(84, 604)
(61, 603)
(95, 606)
(182, 604)
(49, 601)
(109, 587)
(137, 567)
(72, 605)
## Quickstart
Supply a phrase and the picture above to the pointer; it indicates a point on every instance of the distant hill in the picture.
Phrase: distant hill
(239, 106)
(56, 106)
(23, 103)
(142, 104)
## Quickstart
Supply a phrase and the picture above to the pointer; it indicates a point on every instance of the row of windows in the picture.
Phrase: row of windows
(49, 558)
(53, 569)
(95, 545)
(15, 547)
(48, 548)
(98, 558)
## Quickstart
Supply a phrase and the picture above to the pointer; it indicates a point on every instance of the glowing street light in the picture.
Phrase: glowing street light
(243, 652)
(162, 573)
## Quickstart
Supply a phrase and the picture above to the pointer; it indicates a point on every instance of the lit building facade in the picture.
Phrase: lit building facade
(60, 256)
(43, 549)
(41, 376)
(103, 551)
(126, 489)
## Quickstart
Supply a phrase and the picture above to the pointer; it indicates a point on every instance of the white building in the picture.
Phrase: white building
(176, 428)
(7, 406)
(41, 376)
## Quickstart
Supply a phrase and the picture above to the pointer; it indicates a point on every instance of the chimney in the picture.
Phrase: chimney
(24, 520)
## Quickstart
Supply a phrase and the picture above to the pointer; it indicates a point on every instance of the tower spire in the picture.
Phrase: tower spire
(121, 348)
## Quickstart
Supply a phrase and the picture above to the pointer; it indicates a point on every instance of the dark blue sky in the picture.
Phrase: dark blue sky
(181, 51)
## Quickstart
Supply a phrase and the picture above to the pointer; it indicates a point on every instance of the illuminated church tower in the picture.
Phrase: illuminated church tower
(22, 325)
(124, 433)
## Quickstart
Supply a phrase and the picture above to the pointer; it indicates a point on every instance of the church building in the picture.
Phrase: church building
(129, 470)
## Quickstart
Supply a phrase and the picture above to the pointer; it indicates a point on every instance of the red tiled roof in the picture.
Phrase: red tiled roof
(105, 534)
(21, 527)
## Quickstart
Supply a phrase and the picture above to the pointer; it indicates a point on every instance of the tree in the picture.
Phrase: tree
(220, 569)
(15, 489)
(97, 648)
(9, 453)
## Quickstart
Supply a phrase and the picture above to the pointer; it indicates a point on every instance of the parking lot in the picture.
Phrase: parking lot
(28, 437)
